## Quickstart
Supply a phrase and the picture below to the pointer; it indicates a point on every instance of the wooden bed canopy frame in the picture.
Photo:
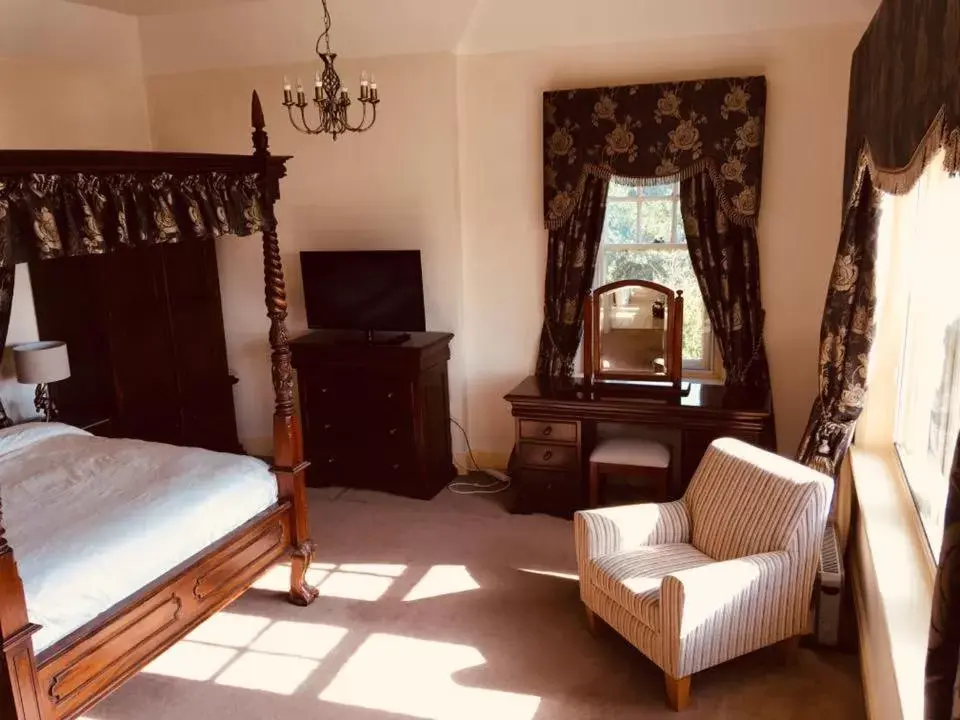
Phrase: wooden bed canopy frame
(77, 672)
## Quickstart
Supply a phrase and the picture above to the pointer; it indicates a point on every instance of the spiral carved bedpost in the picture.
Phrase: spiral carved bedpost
(289, 463)
(18, 667)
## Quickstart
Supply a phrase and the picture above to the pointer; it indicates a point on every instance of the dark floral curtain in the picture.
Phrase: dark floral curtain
(705, 133)
(571, 259)
(46, 216)
(846, 335)
(943, 653)
(726, 260)
(904, 109)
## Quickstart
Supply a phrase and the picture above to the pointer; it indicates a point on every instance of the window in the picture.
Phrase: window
(924, 284)
(643, 239)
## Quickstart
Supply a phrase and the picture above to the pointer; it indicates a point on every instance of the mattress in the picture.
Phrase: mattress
(93, 520)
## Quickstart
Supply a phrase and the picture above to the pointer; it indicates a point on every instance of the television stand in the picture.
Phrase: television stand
(376, 415)
(379, 337)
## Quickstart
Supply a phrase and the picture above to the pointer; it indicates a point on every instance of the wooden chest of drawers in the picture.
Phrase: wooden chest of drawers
(376, 416)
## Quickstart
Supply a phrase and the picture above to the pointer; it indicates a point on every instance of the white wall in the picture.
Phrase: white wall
(70, 77)
(395, 187)
(454, 164)
(500, 107)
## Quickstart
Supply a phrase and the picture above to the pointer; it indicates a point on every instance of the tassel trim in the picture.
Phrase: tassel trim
(707, 164)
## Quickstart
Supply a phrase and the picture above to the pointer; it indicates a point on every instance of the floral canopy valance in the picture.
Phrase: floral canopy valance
(656, 133)
(45, 216)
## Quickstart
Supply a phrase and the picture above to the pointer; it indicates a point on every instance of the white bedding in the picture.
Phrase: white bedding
(93, 520)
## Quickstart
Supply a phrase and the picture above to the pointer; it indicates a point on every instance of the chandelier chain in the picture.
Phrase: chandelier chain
(327, 24)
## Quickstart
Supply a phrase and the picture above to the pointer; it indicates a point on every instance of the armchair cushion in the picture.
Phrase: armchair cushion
(632, 578)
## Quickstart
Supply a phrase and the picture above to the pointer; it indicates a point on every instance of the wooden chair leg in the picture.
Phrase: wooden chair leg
(592, 622)
(678, 692)
(593, 496)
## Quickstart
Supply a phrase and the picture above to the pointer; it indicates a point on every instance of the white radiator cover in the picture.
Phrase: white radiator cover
(829, 589)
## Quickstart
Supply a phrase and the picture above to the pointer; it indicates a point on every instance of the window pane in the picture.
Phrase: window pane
(659, 190)
(620, 223)
(618, 190)
(681, 236)
(674, 269)
(928, 408)
(656, 221)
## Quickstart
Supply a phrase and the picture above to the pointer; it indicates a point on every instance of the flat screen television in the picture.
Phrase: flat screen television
(363, 290)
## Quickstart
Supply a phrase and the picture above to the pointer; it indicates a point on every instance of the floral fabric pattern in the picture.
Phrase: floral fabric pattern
(659, 132)
(571, 260)
(726, 259)
(50, 216)
(846, 336)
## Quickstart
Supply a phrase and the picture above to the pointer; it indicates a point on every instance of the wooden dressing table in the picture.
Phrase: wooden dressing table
(556, 426)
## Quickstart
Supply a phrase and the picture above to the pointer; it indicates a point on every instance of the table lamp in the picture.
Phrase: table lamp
(42, 363)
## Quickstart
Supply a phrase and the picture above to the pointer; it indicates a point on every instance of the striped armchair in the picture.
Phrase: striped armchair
(725, 570)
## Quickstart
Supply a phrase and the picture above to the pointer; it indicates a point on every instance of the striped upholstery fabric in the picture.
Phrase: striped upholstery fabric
(632, 578)
(724, 571)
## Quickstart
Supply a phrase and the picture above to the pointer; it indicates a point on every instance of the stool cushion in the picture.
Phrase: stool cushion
(635, 452)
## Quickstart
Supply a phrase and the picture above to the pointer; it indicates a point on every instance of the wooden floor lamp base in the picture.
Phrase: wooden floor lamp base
(678, 692)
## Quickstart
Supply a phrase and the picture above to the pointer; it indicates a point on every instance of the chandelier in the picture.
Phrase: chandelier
(330, 96)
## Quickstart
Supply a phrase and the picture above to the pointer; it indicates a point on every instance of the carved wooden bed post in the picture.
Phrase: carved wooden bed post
(18, 666)
(289, 464)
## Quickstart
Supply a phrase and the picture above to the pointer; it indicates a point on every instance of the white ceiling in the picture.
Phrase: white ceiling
(187, 35)
(154, 7)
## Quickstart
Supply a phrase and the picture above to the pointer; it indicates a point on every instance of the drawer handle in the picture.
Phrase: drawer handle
(547, 455)
(393, 431)
(327, 426)
(396, 466)
(548, 430)
(390, 396)
(323, 390)
(330, 461)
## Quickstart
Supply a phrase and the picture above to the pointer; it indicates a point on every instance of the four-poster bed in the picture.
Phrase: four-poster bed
(55, 203)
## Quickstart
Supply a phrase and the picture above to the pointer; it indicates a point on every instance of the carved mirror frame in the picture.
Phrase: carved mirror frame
(673, 352)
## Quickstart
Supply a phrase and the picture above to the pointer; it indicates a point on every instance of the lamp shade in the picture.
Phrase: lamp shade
(41, 362)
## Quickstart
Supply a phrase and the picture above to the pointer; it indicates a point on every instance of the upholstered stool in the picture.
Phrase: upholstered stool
(630, 456)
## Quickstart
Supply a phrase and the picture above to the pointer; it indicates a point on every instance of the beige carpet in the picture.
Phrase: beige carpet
(453, 610)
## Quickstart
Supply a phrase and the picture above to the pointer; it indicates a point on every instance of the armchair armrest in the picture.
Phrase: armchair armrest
(729, 608)
(609, 530)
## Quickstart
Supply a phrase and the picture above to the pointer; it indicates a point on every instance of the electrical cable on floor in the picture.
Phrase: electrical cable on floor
(501, 481)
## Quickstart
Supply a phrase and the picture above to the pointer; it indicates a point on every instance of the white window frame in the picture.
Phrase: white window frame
(709, 368)
(876, 431)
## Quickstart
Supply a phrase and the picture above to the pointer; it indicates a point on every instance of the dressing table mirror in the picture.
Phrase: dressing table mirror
(633, 332)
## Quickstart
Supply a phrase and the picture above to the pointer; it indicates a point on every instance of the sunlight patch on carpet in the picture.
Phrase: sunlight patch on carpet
(354, 586)
(550, 573)
(442, 580)
(277, 578)
(268, 673)
(191, 661)
(305, 640)
(414, 677)
(373, 569)
(229, 629)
